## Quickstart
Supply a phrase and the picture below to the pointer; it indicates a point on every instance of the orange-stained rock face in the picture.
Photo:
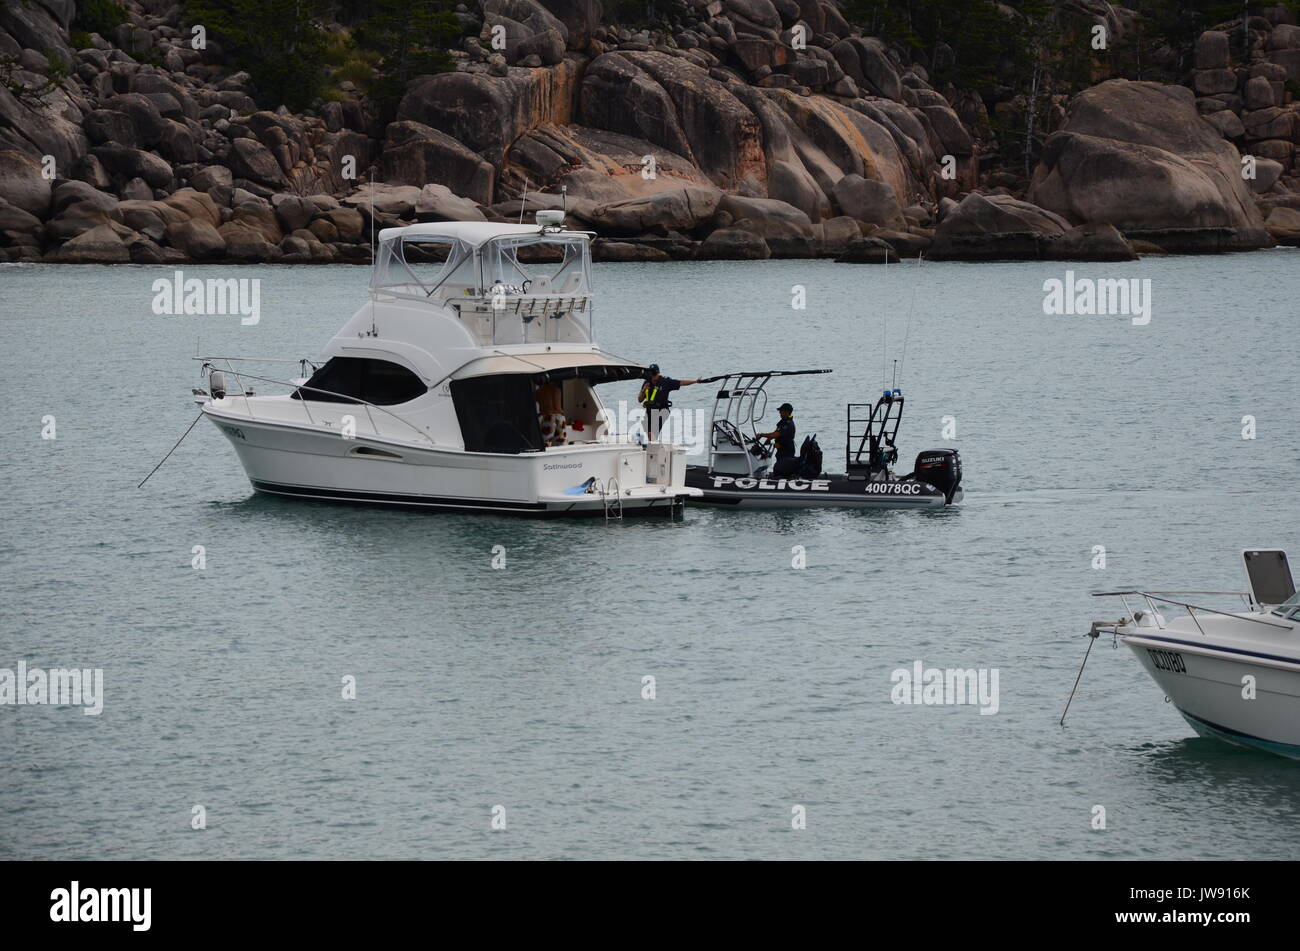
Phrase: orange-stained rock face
(837, 140)
(743, 140)
(678, 106)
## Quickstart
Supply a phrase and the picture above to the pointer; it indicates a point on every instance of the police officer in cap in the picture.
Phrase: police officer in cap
(654, 397)
(787, 463)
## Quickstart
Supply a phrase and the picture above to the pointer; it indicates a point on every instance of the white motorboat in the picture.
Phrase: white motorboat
(429, 396)
(1234, 675)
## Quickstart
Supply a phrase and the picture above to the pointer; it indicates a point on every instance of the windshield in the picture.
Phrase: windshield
(426, 266)
(538, 264)
(1290, 608)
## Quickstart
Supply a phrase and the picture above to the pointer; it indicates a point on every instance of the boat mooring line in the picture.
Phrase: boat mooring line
(1092, 639)
(170, 451)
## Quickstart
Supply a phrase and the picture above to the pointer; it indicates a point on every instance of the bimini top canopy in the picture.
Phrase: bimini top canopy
(473, 233)
(595, 366)
(469, 261)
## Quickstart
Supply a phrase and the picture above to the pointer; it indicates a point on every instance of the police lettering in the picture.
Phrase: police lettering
(769, 485)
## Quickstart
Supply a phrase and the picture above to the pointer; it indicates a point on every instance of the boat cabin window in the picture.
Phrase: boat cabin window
(497, 413)
(353, 379)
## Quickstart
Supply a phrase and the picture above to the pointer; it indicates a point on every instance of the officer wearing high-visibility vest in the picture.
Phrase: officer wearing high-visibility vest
(787, 463)
(654, 397)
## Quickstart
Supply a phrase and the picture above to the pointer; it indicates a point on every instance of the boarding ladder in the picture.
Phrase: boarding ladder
(611, 496)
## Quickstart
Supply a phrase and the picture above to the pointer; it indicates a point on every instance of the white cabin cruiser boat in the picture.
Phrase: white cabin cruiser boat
(429, 396)
(1232, 675)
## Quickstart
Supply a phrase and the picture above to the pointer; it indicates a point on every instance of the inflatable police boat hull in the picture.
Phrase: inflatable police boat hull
(825, 491)
(739, 470)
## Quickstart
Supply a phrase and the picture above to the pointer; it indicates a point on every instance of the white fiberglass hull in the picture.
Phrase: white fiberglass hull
(1206, 682)
(304, 462)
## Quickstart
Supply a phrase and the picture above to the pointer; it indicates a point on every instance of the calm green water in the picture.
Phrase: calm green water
(522, 687)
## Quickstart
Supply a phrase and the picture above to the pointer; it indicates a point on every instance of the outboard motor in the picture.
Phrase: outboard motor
(941, 468)
(217, 385)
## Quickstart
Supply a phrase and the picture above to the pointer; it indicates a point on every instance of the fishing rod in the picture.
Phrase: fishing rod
(908, 331)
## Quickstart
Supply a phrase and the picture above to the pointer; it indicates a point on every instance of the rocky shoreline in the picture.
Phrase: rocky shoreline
(753, 129)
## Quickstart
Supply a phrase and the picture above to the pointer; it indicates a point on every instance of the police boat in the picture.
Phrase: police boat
(741, 462)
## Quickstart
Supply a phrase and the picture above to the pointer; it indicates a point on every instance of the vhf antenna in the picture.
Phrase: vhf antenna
(374, 331)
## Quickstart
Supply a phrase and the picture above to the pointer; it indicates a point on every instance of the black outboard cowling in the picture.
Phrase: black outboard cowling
(941, 468)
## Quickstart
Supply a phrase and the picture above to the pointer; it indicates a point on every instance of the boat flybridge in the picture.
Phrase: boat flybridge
(740, 469)
(1233, 675)
(467, 382)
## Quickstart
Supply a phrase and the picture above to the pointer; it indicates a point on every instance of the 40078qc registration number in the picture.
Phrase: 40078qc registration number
(894, 488)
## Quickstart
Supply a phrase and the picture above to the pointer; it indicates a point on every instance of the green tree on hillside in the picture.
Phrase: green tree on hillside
(651, 14)
(99, 16)
(972, 44)
(281, 43)
(411, 38)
